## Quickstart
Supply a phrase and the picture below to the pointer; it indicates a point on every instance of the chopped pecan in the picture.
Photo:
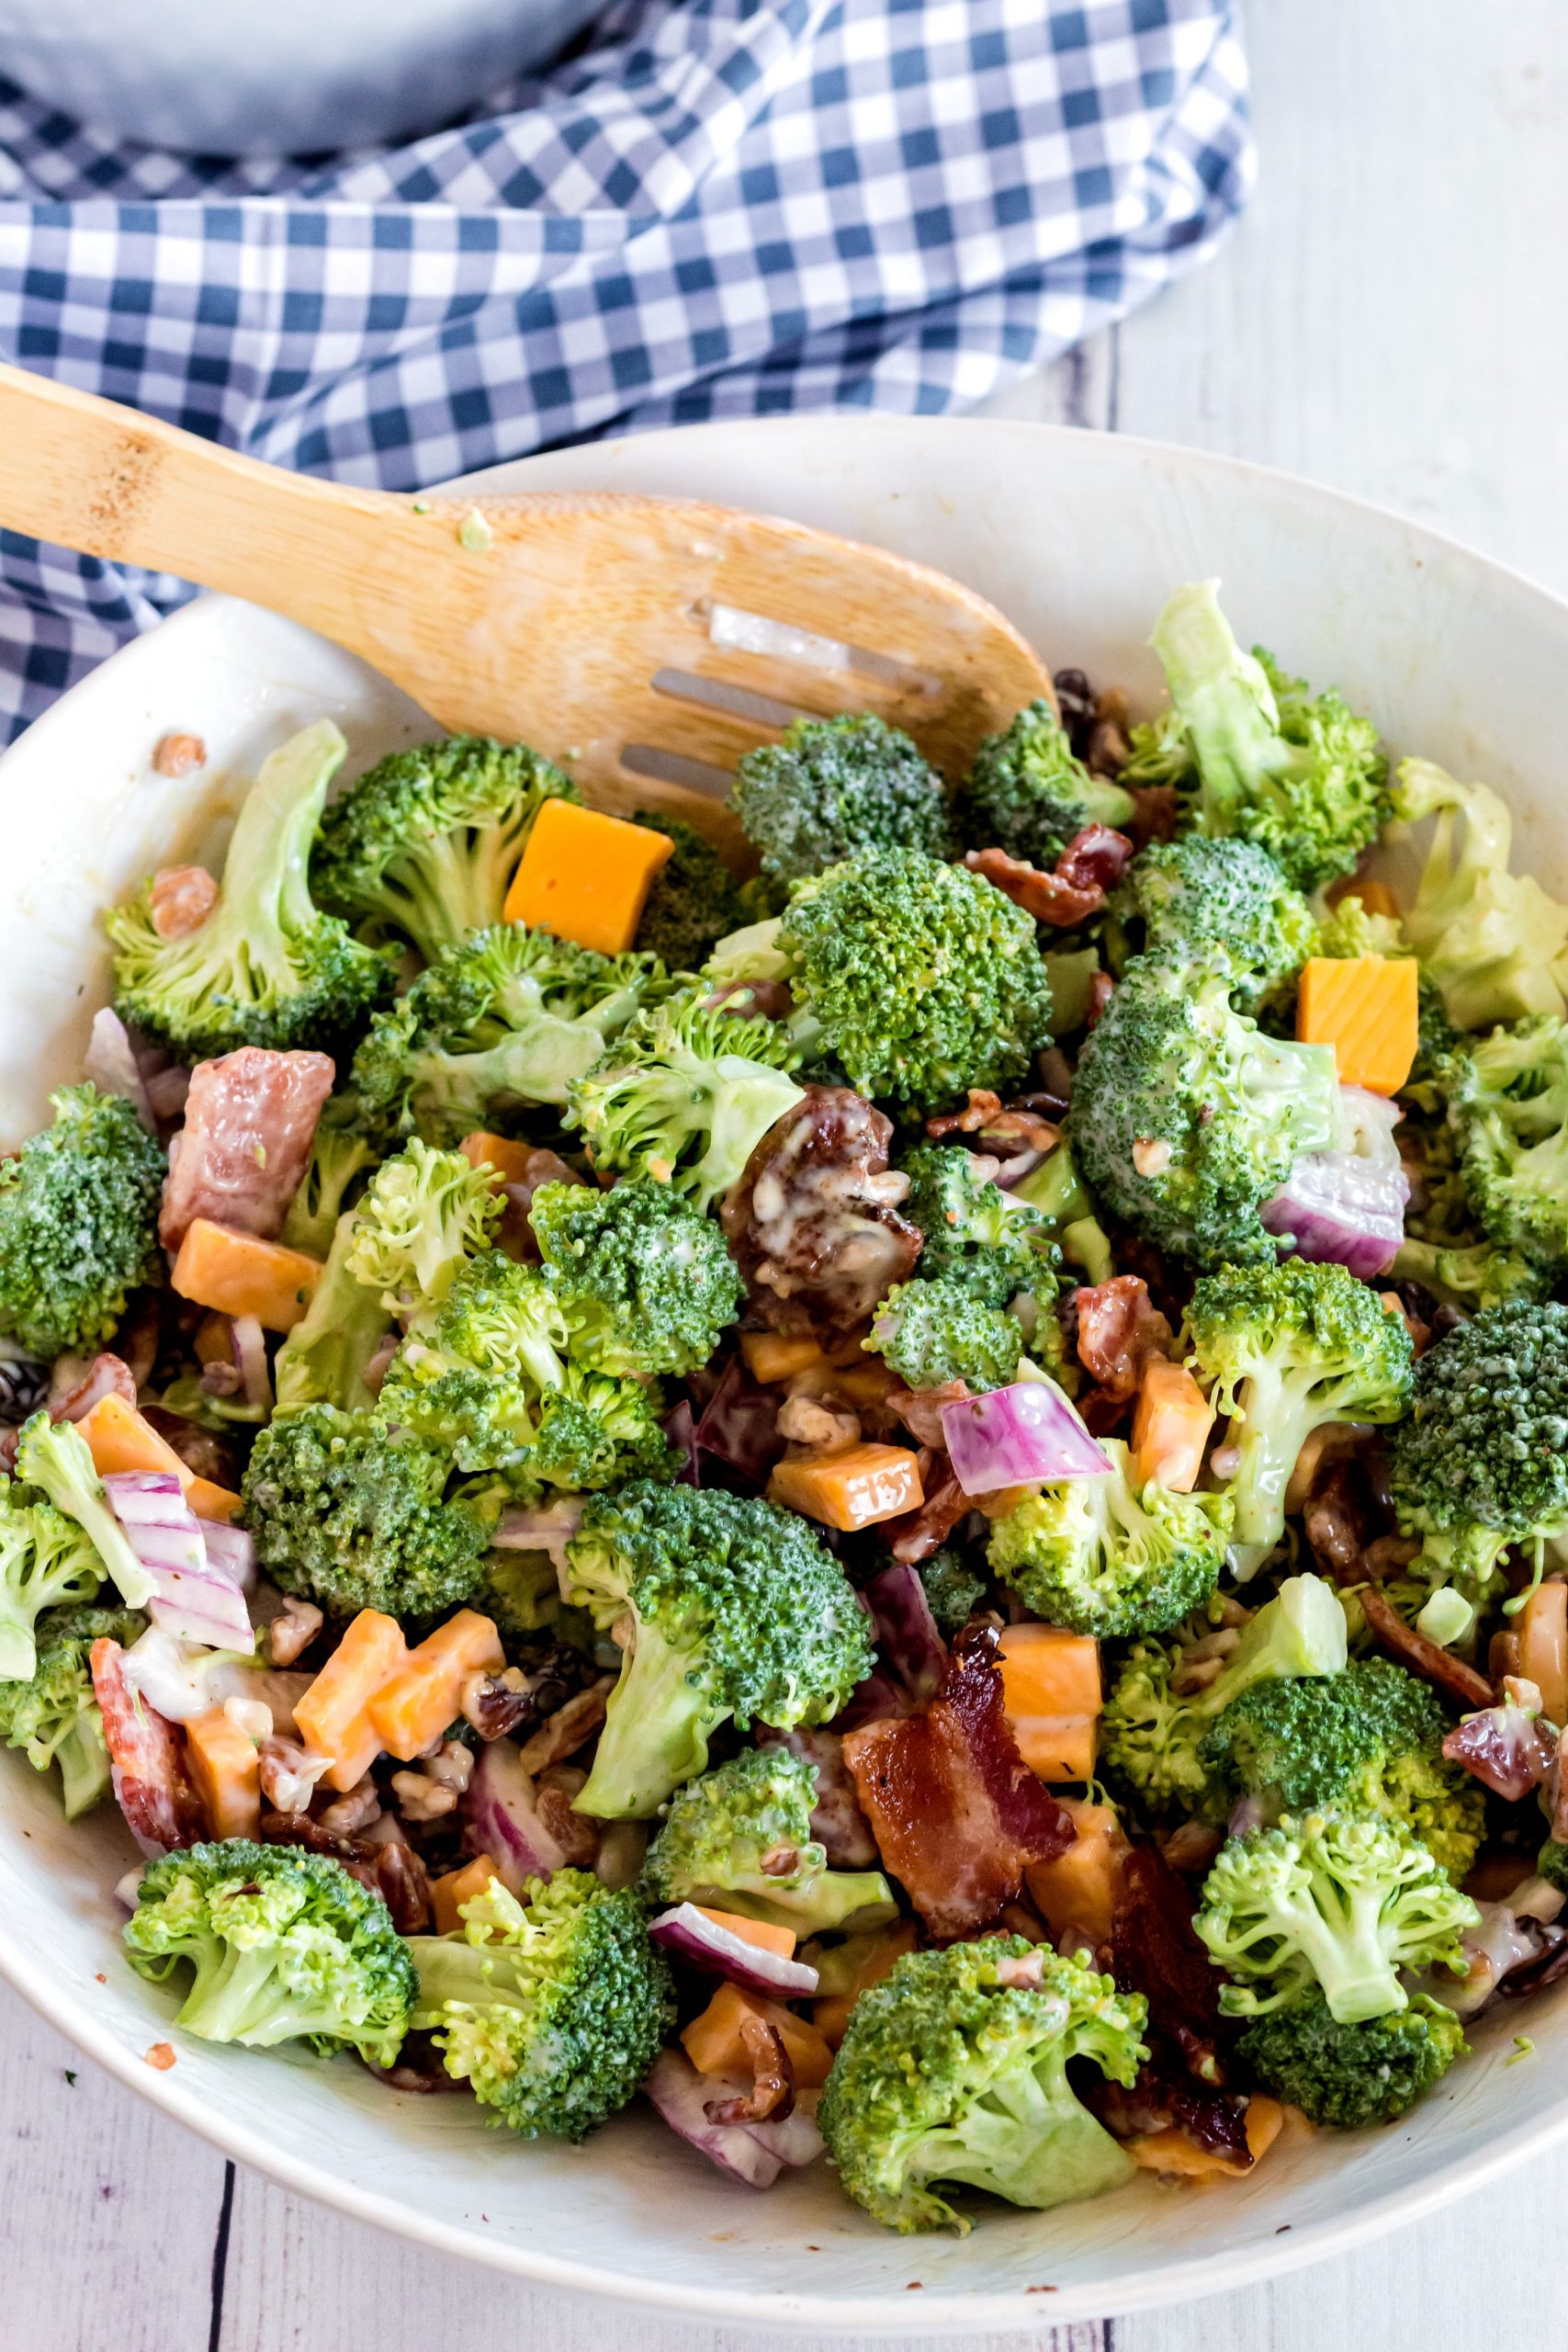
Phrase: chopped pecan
(293, 1630)
(773, 2077)
(570, 1728)
(1432, 1663)
(1076, 886)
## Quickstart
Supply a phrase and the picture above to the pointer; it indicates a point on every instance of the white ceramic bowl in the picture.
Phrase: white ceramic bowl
(1079, 538)
(276, 78)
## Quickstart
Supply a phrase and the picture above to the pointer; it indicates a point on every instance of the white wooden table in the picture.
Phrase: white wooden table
(1391, 319)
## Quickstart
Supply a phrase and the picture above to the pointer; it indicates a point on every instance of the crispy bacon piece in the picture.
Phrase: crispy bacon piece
(147, 1761)
(1423, 1658)
(773, 2077)
(1119, 1329)
(813, 1224)
(250, 1122)
(920, 1533)
(1075, 886)
(176, 755)
(180, 899)
(1505, 1749)
(956, 1811)
(1154, 1950)
(106, 1375)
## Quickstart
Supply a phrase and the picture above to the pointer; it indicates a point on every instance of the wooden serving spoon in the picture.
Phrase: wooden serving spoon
(647, 641)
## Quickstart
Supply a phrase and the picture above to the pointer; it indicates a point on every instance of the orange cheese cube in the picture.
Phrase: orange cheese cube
(778, 1356)
(1173, 2153)
(780, 1941)
(1544, 1647)
(226, 1770)
(1051, 1697)
(712, 2042)
(509, 1159)
(333, 1715)
(457, 1887)
(1171, 1427)
(119, 1439)
(585, 875)
(1366, 1007)
(422, 1698)
(220, 1503)
(236, 1275)
(1081, 1887)
(857, 1487)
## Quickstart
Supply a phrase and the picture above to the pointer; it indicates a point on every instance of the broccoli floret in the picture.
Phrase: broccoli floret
(644, 1280)
(1509, 1092)
(834, 786)
(595, 1431)
(694, 901)
(737, 1610)
(46, 1561)
(1298, 775)
(1348, 930)
(954, 2068)
(1184, 897)
(1494, 942)
(522, 1593)
(685, 1095)
(282, 1946)
(552, 2010)
(987, 1241)
(1152, 1734)
(1344, 2075)
(78, 1223)
(504, 1021)
(424, 845)
(425, 1216)
(1551, 1863)
(1369, 1738)
(1288, 1348)
(350, 1139)
(952, 1591)
(1027, 793)
(266, 967)
(54, 1457)
(1481, 1463)
(918, 979)
(51, 1714)
(1336, 1901)
(740, 1838)
(350, 1515)
(1109, 1555)
(933, 1332)
(1186, 1118)
(1478, 1276)
(324, 1358)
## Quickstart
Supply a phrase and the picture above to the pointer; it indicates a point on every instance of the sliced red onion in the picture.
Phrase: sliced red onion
(680, 2093)
(500, 1818)
(1346, 1205)
(680, 1427)
(110, 1062)
(167, 1087)
(540, 1528)
(1021, 1436)
(792, 2137)
(248, 1343)
(873, 1702)
(231, 1551)
(906, 1630)
(739, 1424)
(194, 1598)
(1507, 1748)
(1247, 1815)
(688, 1935)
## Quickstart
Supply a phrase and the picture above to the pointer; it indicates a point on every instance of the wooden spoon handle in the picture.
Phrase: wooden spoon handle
(87, 473)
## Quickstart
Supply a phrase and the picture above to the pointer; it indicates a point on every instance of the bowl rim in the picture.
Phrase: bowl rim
(881, 2312)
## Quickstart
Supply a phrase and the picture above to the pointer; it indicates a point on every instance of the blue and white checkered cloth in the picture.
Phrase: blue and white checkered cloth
(714, 207)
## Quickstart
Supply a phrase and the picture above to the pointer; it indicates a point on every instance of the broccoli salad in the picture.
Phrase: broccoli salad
(908, 1497)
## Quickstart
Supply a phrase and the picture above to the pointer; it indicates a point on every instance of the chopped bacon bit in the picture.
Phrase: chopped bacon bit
(180, 899)
(1076, 886)
(151, 1786)
(177, 754)
(1156, 812)
(1119, 1328)
(920, 1409)
(954, 1809)
(161, 2057)
(1504, 1748)
(773, 2076)
(106, 1375)
(1102, 988)
(1156, 1952)
(920, 1533)
(981, 1105)
(250, 1122)
(1427, 1659)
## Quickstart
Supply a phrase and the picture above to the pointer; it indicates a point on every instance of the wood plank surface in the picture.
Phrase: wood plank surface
(1389, 319)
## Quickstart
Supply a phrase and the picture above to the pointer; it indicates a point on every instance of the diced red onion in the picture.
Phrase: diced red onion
(231, 1551)
(1020, 1436)
(680, 2093)
(195, 1599)
(167, 1090)
(110, 1062)
(688, 1935)
(500, 1818)
(906, 1630)
(1346, 1205)
(739, 1424)
(792, 2137)
(680, 1427)
(1505, 1748)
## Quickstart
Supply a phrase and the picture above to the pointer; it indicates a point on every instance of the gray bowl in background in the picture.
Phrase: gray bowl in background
(264, 77)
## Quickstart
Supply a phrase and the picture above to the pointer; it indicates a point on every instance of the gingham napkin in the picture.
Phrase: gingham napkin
(716, 207)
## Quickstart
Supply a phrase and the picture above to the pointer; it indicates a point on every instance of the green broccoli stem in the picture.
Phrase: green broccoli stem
(1340, 1937)
(18, 1651)
(84, 1762)
(324, 1358)
(235, 1996)
(655, 1732)
(1280, 1417)
(1027, 2139)
(1225, 700)
(833, 1903)
(538, 1062)
(453, 886)
(266, 894)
